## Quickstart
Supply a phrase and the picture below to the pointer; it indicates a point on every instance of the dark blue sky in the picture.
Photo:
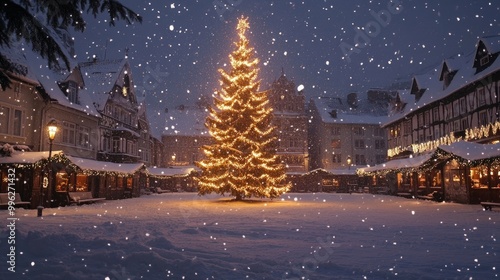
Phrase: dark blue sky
(180, 45)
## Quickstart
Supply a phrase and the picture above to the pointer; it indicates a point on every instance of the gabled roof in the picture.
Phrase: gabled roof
(450, 65)
(365, 113)
(100, 76)
(492, 43)
(49, 80)
(465, 75)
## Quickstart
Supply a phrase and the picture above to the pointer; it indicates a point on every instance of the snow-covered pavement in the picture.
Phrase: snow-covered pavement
(301, 236)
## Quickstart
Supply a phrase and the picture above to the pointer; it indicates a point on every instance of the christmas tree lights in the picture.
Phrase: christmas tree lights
(242, 161)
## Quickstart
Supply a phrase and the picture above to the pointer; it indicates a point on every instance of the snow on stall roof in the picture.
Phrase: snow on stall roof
(19, 157)
(472, 151)
(186, 121)
(466, 75)
(171, 171)
(412, 162)
(105, 166)
(297, 236)
(365, 113)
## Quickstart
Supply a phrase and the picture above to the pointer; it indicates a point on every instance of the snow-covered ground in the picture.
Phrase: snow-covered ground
(301, 236)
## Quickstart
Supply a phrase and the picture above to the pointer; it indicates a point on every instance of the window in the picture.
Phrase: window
(427, 117)
(4, 119)
(72, 92)
(463, 106)
(484, 60)
(68, 133)
(377, 131)
(359, 130)
(483, 118)
(465, 124)
(481, 95)
(379, 144)
(116, 145)
(360, 159)
(294, 143)
(379, 159)
(106, 144)
(359, 144)
(18, 122)
(335, 130)
(83, 136)
(407, 127)
(435, 114)
(337, 158)
(456, 108)
(336, 144)
(11, 121)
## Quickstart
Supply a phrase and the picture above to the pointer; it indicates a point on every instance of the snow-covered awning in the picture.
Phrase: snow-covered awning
(105, 166)
(470, 152)
(170, 172)
(18, 157)
(398, 164)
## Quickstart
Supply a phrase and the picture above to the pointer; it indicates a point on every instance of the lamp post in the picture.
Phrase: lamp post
(52, 130)
(349, 161)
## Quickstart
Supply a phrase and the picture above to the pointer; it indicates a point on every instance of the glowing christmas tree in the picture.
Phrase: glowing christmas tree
(242, 162)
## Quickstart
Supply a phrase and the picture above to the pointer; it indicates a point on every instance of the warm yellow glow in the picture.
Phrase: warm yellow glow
(242, 162)
(52, 129)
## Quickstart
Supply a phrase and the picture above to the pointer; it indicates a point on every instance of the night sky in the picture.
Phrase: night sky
(176, 51)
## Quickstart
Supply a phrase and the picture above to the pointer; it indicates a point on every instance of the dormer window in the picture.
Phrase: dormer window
(70, 89)
(484, 60)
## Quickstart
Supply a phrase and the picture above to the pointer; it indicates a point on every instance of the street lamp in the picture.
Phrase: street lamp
(349, 161)
(52, 130)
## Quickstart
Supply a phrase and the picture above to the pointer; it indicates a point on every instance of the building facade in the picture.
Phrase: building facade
(346, 133)
(290, 120)
(457, 101)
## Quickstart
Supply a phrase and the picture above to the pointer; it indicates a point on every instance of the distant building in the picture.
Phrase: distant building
(345, 133)
(290, 119)
(184, 135)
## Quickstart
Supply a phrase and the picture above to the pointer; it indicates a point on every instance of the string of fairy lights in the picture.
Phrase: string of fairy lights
(475, 133)
(242, 161)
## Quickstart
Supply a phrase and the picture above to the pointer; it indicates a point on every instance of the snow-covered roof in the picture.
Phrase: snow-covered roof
(365, 113)
(100, 76)
(186, 121)
(18, 157)
(49, 80)
(412, 162)
(434, 88)
(104, 166)
(170, 172)
(471, 151)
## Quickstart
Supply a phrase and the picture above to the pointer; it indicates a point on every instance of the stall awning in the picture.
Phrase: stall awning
(27, 157)
(472, 153)
(170, 172)
(89, 165)
(398, 164)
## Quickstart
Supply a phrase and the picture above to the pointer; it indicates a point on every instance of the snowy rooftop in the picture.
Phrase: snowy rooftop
(18, 157)
(100, 77)
(104, 166)
(173, 171)
(364, 113)
(434, 87)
